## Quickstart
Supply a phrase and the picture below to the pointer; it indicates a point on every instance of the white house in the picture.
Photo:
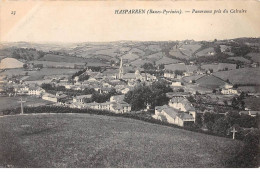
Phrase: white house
(169, 75)
(229, 91)
(36, 91)
(251, 113)
(175, 84)
(173, 116)
(117, 98)
(50, 97)
(81, 98)
(54, 98)
(125, 90)
(182, 104)
(116, 107)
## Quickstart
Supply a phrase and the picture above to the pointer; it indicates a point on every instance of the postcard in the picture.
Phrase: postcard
(129, 84)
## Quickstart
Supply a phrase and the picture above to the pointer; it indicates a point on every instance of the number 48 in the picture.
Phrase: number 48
(13, 12)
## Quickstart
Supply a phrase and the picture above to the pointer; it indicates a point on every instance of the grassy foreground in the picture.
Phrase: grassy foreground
(85, 140)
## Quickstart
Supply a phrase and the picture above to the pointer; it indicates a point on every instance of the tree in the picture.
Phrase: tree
(154, 95)
(148, 66)
(221, 126)
(161, 66)
(178, 72)
(139, 97)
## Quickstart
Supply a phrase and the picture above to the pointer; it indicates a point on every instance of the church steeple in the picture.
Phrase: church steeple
(121, 71)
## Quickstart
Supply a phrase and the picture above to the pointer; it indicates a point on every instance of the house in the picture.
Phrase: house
(176, 84)
(36, 91)
(116, 107)
(182, 104)
(169, 75)
(168, 114)
(81, 98)
(50, 97)
(227, 89)
(59, 97)
(251, 113)
(117, 98)
(125, 90)
(120, 107)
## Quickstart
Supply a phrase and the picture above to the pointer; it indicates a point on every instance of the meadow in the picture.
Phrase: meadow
(241, 76)
(12, 102)
(88, 140)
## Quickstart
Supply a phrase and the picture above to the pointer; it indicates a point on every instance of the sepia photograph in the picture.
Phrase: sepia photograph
(129, 84)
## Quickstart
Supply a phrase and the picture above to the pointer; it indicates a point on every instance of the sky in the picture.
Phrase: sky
(75, 21)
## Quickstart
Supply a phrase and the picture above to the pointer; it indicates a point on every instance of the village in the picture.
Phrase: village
(105, 89)
(201, 87)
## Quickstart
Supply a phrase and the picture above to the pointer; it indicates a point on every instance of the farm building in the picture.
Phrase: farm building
(182, 104)
(169, 75)
(36, 91)
(251, 113)
(117, 98)
(116, 107)
(81, 98)
(173, 116)
(59, 97)
(229, 91)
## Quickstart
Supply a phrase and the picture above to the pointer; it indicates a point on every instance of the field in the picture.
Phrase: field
(251, 89)
(56, 64)
(253, 103)
(241, 76)
(205, 52)
(254, 56)
(190, 49)
(83, 140)
(181, 67)
(12, 102)
(166, 60)
(219, 66)
(59, 58)
(210, 82)
(39, 75)
(16, 72)
(240, 59)
(177, 53)
(190, 78)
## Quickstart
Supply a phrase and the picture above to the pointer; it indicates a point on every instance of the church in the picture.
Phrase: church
(137, 76)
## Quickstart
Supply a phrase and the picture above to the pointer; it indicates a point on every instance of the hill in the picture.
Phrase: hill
(10, 63)
(210, 81)
(241, 76)
(240, 59)
(218, 66)
(254, 56)
(83, 140)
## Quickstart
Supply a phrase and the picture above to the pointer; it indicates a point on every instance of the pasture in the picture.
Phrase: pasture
(206, 52)
(39, 75)
(177, 53)
(210, 82)
(219, 66)
(12, 102)
(254, 56)
(189, 49)
(241, 76)
(253, 103)
(181, 67)
(240, 59)
(84, 140)
(60, 58)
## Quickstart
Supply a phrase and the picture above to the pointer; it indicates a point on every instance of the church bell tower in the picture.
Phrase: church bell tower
(121, 71)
